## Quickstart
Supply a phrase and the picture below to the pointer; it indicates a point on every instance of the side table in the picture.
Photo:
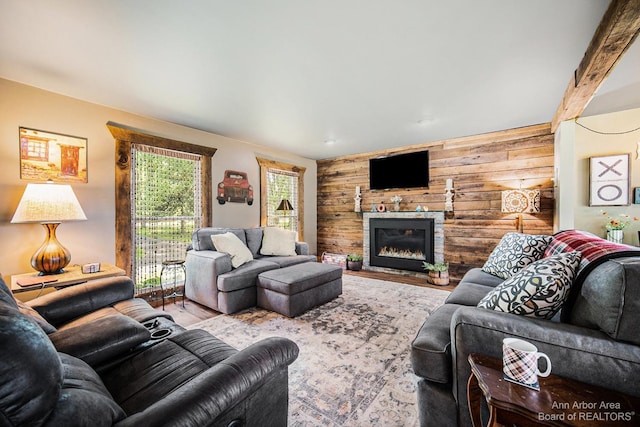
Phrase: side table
(560, 401)
(72, 275)
(172, 267)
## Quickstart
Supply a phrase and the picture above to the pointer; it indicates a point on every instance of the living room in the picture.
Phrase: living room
(480, 166)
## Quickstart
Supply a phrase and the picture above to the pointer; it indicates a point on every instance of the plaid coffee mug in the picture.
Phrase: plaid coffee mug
(520, 362)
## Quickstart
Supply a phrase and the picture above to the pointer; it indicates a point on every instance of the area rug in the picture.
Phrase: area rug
(354, 366)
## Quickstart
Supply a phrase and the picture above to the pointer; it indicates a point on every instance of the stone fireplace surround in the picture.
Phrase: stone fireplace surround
(438, 238)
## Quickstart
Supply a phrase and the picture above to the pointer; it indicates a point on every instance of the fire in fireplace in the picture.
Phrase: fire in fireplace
(402, 243)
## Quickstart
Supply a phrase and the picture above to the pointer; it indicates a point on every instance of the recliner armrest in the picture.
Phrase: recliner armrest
(221, 387)
(75, 301)
(102, 339)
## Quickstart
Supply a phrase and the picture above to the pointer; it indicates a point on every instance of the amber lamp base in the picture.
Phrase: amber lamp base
(52, 257)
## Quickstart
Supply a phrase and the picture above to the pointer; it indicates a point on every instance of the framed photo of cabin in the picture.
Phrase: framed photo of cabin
(609, 180)
(55, 156)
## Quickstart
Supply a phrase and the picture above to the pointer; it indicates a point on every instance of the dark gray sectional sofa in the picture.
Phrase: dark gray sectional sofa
(211, 280)
(595, 337)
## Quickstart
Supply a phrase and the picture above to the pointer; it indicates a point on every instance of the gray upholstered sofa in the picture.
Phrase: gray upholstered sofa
(213, 282)
(81, 357)
(593, 339)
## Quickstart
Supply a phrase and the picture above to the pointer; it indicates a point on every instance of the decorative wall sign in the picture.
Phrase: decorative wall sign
(48, 155)
(235, 188)
(609, 180)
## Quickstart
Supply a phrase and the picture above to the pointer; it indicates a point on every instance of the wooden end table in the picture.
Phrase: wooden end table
(560, 401)
(72, 275)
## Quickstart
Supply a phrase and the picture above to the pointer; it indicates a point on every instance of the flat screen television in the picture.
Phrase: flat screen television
(408, 170)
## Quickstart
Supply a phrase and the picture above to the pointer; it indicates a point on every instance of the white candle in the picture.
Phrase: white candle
(357, 189)
(449, 183)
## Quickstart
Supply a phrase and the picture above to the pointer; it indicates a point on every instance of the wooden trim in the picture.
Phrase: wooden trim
(126, 134)
(618, 29)
(124, 137)
(123, 205)
(266, 164)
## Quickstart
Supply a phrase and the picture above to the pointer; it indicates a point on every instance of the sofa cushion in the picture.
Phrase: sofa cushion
(30, 373)
(153, 374)
(477, 276)
(468, 293)
(538, 290)
(84, 400)
(102, 339)
(230, 244)
(594, 250)
(610, 300)
(254, 240)
(277, 241)
(201, 238)
(514, 252)
(285, 261)
(431, 348)
(244, 276)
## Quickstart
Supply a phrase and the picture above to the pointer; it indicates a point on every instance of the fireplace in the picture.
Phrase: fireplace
(401, 243)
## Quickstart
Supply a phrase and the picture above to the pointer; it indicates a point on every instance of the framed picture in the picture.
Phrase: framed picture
(636, 196)
(55, 156)
(609, 180)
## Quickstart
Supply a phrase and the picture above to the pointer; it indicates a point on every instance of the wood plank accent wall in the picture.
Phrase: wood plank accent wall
(481, 167)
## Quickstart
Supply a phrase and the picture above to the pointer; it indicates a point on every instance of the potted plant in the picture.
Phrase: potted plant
(438, 272)
(615, 226)
(354, 262)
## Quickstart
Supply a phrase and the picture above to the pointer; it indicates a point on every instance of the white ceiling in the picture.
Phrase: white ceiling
(292, 74)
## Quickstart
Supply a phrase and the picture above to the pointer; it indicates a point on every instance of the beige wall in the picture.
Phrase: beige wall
(94, 239)
(574, 166)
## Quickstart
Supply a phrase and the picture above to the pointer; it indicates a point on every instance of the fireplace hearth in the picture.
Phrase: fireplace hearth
(402, 241)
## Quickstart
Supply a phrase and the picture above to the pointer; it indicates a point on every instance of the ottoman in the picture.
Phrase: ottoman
(293, 290)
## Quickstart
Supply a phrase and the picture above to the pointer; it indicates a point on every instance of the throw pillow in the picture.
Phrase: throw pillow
(514, 252)
(230, 244)
(539, 290)
(279, 242)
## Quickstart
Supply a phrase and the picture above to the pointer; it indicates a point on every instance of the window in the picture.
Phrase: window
(152, 214)
(279, 182)
(166, 209)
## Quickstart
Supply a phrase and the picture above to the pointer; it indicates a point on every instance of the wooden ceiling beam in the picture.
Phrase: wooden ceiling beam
(618, 29)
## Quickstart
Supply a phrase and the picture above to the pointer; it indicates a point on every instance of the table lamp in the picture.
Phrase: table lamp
(520, 201)
(284, 206)
(49, 204)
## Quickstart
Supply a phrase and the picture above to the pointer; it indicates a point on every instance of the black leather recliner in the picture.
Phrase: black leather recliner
(87, 356)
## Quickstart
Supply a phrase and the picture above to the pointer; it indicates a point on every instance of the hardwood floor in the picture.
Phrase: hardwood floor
(193, 312)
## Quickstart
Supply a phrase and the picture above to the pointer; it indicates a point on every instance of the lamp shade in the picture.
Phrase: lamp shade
(521, 201)
(48, 203)
(284, 205)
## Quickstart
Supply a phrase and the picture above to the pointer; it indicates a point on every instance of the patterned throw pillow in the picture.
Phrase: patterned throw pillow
(514, 252)
(539, 290)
